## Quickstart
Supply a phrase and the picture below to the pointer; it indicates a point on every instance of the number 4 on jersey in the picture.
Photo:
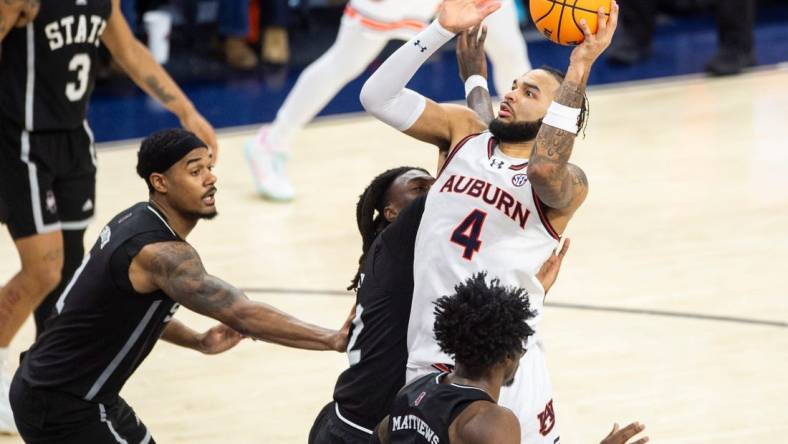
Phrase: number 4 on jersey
(467, 233)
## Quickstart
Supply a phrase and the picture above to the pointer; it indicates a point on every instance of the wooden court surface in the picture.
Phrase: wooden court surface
(688, 213)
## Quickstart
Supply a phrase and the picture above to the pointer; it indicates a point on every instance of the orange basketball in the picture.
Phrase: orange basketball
(559, 20)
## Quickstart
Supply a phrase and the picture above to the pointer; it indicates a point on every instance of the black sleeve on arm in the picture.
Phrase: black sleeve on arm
(400, 236)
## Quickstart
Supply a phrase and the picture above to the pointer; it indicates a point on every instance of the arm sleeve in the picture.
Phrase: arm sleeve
(384, 95)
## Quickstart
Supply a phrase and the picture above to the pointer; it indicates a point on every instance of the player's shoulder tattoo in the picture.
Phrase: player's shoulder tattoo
(169, 257)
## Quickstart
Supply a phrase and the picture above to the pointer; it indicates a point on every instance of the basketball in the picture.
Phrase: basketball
(559, 20)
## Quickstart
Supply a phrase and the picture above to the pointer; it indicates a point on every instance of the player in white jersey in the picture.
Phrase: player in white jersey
(366, 27)
(503, 196)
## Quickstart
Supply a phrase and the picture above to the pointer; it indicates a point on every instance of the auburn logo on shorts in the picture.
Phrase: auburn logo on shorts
(547, 419)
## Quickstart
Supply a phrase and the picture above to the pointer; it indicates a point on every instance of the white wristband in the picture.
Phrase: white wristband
(475, 81)
(562, 117)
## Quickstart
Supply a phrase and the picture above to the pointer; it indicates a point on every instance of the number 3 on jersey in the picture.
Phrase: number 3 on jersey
(467, 233)
(80, 64)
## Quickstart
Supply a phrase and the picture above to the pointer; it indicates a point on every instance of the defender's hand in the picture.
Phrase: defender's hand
(196, 123)
(458, 15)
(595, 44)
(28, 13)
(219, 339)
(617, 436)
(549, 271)
(341, 337)
(470, 52)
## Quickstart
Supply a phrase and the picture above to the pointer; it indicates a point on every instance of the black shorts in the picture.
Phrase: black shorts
(51, 417)
(330, 429)
(47, 179)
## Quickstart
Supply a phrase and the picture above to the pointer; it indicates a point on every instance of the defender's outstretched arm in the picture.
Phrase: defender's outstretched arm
(176, 269)
(473, 72)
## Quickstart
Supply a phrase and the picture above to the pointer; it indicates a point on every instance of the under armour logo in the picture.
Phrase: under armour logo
(82, 2)
(417, 43)
(496, 163)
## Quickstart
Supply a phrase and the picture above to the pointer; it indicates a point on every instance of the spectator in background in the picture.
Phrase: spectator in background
(274, 17)
(232, 16)
(233, 27)
(735, 21)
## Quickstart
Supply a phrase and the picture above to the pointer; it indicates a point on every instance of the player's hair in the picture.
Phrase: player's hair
(369, 212)
(482, 323)
(585, 108)
(162, 149)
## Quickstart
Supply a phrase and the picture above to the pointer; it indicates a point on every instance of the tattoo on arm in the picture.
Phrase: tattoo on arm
(579, 178)
(157, 89)
(179, 272)
(551, 153)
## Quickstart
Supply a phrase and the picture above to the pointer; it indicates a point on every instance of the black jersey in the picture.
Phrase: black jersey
(424, 410)
(48, 68)
(378, 350)
(103, 329)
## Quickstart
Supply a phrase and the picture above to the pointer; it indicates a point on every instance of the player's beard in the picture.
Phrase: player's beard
(197, 215)
(515, 132)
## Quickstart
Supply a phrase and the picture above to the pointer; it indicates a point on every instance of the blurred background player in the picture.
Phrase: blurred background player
(366, 27)
(503, 193)
(483, 326)
(47, 156)
(122, 300)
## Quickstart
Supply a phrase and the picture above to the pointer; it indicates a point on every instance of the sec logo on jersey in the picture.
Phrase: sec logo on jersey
(519, 180)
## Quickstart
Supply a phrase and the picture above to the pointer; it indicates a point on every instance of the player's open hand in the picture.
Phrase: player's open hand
(470, 52)
(219, 339)
(595, 44)
(458, 15)
(549, 271)
(196, 123)
(622, 436)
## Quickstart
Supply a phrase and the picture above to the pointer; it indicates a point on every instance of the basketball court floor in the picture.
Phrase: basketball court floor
(671, 307)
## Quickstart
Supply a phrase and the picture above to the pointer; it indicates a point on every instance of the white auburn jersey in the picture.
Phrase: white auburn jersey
(388, 11)
(480, 215)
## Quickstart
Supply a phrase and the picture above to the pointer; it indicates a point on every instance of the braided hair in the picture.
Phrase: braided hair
(369, 212)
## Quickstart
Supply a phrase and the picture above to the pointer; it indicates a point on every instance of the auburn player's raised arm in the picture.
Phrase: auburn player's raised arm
(384, 95)
(176, 269)
(557, 183)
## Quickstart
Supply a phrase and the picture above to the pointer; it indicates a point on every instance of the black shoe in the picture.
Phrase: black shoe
(728, 62)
